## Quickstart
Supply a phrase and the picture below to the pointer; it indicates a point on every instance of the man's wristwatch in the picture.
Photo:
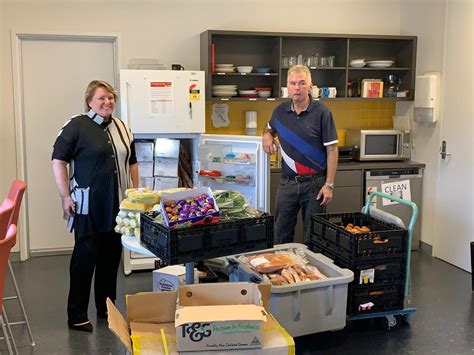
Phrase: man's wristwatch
(328, 184)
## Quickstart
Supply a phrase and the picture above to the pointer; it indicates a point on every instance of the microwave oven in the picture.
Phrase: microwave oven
(383, 144)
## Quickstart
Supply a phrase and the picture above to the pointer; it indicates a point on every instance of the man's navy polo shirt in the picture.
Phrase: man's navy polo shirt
(303, 137)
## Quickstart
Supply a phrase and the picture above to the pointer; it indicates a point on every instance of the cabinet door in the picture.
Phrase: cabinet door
(347, 195)
(346, 199)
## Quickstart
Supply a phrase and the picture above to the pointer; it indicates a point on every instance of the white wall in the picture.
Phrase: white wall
(169, 31)
(425, 19)
(2, 99)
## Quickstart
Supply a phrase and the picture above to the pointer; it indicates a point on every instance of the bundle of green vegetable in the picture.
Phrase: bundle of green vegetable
(233, 205)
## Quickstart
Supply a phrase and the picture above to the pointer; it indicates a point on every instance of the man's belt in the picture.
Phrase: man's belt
(303, 178)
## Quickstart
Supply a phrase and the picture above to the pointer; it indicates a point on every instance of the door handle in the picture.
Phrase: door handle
(443, 153)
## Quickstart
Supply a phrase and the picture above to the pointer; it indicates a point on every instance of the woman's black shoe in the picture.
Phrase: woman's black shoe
(86, 327)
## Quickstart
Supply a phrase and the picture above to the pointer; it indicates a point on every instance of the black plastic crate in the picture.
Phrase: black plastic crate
(385, 239)
(384, 298)
(383, 271)
(177, 246)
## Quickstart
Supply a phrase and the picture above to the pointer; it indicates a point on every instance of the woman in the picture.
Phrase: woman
(100, 152)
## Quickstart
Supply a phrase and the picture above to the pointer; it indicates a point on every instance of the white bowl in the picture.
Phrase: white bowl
(357, 65)
(224, 69)
(244, 69)
(248, 92)
(264, 94)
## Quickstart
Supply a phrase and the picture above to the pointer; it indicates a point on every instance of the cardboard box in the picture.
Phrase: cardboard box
(144, 151)
(150, 327)
(166, 167)
(167, 148)
(228, 318)
(372, 88)
(169, 278)
(164, 183)
(145, 169)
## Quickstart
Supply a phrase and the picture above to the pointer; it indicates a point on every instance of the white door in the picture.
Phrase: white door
(52, 74)
(454, 226)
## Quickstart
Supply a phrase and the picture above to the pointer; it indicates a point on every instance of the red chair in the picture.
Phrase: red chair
(6, 244)
(6, 211)
(15, 195)
(17, 190)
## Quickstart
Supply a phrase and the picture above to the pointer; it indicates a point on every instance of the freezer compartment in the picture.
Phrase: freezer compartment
(305, 307)
(178, 246)
(383, 240)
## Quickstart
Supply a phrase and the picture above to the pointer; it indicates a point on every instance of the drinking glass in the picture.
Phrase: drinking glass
(291, 61)
(331, 61)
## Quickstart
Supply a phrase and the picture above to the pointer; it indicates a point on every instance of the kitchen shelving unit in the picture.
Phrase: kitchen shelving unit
(266, 49)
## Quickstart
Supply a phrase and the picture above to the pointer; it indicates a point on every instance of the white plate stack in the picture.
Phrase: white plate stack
(380, 63)
(224, 90)
(224, 68)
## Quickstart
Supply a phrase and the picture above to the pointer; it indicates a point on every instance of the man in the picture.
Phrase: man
(308, 143)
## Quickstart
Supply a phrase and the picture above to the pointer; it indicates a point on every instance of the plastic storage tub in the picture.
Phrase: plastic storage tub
(306, 307)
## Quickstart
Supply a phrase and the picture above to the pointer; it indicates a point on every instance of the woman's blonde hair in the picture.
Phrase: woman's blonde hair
(91, 89)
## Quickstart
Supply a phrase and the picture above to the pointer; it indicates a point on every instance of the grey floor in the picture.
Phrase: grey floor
(443, 323)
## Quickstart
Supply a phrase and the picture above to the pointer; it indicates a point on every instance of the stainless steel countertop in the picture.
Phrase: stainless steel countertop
(359, 165)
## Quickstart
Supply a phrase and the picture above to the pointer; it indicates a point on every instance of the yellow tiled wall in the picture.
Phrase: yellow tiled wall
(347, 114)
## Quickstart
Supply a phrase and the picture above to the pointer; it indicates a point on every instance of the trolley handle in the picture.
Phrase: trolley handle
(413, 206)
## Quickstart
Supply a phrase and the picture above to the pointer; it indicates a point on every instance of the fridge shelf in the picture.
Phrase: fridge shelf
(238, 161)
(237, 180)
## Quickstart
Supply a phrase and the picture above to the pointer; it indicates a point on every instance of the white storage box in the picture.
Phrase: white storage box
(145, 169)
(165, 183)
(167, 148)
(169, 278)
(166, 167)
(306, 307)
(144, 151)
(146, 182)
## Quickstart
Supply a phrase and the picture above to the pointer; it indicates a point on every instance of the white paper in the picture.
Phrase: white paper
(161, 98)
(400, 189)
(220, 115)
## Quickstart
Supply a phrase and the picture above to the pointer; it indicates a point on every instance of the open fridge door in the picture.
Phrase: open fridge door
(235, 163)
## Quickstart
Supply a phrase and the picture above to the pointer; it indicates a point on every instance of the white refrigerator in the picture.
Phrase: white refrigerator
(171, 104)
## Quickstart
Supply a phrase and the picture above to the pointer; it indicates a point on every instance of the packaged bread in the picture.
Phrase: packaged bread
(269, 262)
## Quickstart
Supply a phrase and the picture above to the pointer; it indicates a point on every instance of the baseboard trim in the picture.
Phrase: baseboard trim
(426, 248)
